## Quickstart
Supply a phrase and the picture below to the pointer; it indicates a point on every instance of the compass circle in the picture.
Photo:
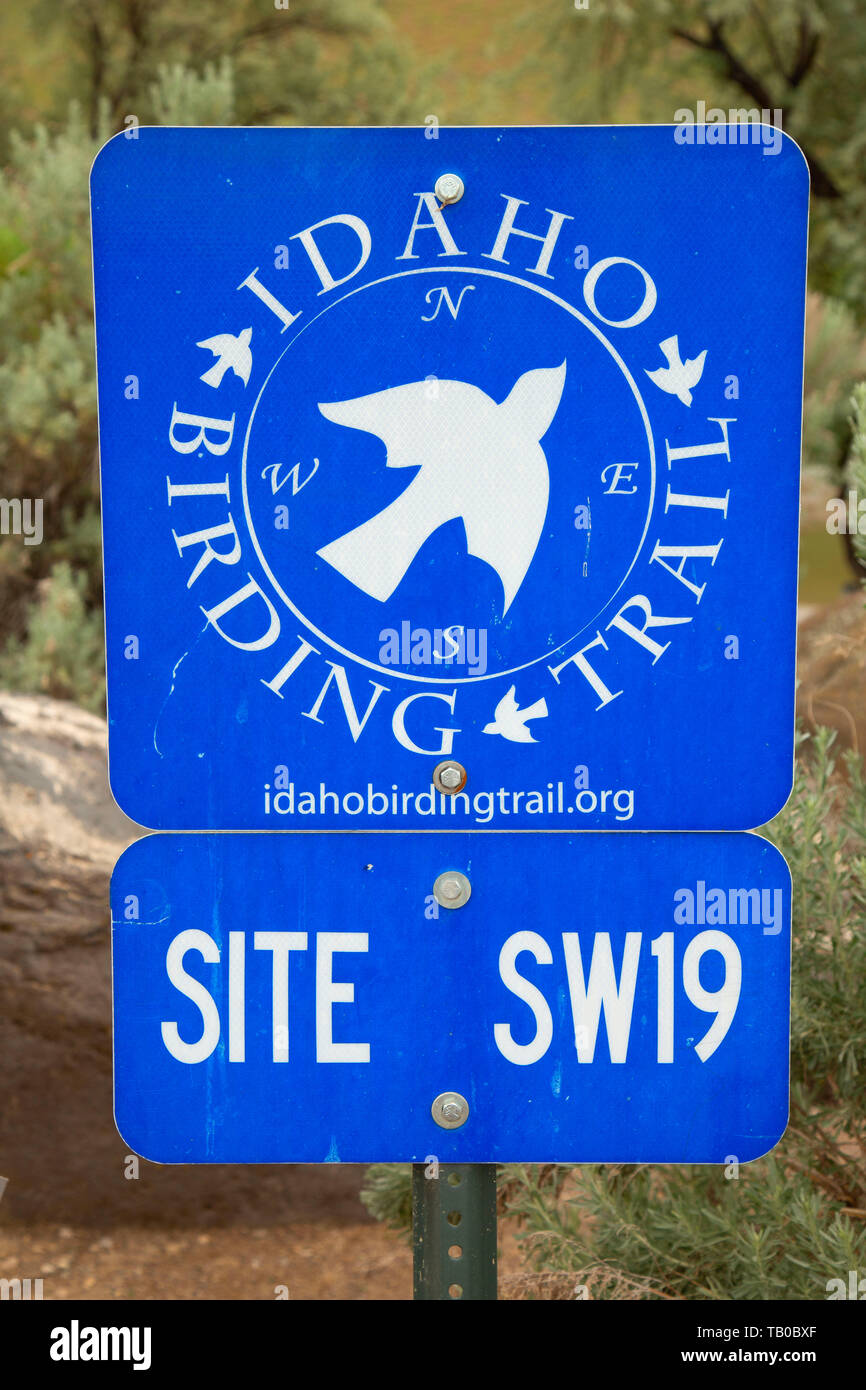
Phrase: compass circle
(448, 474)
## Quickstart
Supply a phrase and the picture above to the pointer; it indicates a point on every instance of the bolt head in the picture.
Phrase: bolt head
(449, 777)
(449, 188)
(452, 889)
(450, 1110)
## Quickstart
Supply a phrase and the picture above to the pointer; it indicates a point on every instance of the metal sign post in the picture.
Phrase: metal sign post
(454, 1231)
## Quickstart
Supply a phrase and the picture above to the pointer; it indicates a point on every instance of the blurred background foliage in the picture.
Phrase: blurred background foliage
(82, 70)
(803, 58)
(72, 72)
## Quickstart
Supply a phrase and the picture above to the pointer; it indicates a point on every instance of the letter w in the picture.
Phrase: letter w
(603, 992)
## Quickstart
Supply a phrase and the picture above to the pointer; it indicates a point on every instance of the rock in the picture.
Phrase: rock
(54, 796)
(60, 830)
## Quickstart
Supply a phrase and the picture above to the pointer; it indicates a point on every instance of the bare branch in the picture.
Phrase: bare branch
(807, 51)
(823, 185)
(769, 38)
(94, 39)
(735, 70)
(276, 27)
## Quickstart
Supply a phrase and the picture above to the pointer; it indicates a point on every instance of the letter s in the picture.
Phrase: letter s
(193, 989)
(523, 1054)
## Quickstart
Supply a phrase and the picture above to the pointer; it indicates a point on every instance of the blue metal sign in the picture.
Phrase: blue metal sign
(598, 998)
(510, 480)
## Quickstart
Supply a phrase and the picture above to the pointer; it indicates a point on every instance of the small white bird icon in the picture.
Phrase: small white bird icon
(678, 377)
(510, 721)
(232, 352)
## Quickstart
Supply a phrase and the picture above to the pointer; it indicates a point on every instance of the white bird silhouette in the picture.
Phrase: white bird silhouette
(477, 460)
(232, 352)
(678, 377)
(510, 721)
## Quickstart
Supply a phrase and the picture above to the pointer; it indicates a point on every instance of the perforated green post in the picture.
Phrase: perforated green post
(454, 1231)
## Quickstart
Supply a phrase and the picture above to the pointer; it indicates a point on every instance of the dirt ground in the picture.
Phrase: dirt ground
(300, 1261)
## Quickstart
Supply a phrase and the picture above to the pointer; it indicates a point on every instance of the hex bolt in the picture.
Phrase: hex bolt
(449, 777)
(452, 889)
(450, 1110)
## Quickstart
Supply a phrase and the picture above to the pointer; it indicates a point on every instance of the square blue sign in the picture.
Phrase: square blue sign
(481, 449)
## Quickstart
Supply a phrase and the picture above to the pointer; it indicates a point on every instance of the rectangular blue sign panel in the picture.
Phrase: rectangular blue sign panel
(593, 998)
(393, 477)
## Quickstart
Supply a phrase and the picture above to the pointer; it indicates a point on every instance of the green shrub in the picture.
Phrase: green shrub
(62, 654)
(855, 467)
(387, 1195)
(322, 61)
